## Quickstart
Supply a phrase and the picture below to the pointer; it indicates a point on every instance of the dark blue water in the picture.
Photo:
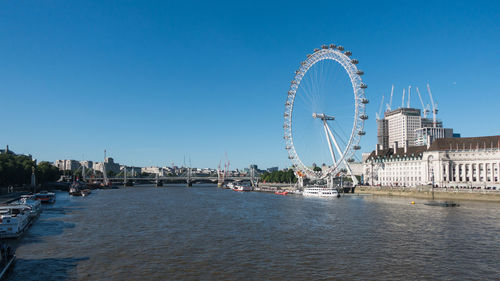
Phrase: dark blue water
(146, 233)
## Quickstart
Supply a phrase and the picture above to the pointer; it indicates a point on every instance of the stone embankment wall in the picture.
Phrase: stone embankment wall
(272, 187)
(427, 192)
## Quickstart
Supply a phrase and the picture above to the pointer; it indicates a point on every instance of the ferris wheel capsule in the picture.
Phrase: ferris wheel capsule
(355, 61)
(361, 133)
(332, 46)
(360, 72)
(348, 53)
(363, 86)
(356, 147)
(340, 48)
(316, 50)
(365, 101)
(324, 47)
(363, 116)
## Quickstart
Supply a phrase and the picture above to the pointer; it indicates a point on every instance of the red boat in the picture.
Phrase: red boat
(281, 192)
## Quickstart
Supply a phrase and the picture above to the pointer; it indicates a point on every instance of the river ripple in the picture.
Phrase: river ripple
(146, 233)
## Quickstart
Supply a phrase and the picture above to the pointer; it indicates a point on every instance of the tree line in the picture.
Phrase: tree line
(17, 169)
(286, 176)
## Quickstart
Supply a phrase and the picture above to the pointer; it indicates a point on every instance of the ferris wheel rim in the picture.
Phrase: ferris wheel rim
(350, 67)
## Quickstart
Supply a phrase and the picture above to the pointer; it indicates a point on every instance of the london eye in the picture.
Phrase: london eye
(324, 114)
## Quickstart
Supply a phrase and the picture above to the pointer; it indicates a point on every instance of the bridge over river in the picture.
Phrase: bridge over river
(189, 180)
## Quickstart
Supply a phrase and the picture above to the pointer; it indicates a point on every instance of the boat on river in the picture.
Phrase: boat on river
(14, 220)
(31, 201)
(79, 189)
(7, 258)
(319, 191)
(239, 186)
(46, 197)
(281, 192)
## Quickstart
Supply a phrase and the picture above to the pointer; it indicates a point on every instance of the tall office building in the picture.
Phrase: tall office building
(405, 126)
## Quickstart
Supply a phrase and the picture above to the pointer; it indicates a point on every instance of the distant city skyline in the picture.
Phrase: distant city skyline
(159, 82)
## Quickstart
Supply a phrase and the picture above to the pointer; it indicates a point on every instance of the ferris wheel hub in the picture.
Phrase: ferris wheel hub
(322, 116)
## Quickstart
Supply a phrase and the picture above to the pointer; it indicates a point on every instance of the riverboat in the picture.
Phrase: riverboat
(14, 220)
(30, 200)
(46, 197)
(242, 187)
(7, 256)
(85, 192)
(76, 189)
(318, 191)
(281, 192)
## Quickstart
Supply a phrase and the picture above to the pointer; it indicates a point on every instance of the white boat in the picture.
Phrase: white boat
(242, 187)
(32, 202)
(319, 191)
(14, 220)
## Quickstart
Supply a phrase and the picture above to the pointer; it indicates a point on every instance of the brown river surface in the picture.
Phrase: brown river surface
(206, 233)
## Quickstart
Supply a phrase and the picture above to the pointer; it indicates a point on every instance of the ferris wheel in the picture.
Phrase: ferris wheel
(341, 150)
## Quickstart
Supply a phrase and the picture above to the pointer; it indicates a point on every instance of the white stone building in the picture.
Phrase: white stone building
(401, 125)
(67, 165)
(110, 166)
(447, 162)
(406, 125)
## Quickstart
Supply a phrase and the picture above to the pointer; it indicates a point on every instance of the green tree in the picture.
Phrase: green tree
(46, 172)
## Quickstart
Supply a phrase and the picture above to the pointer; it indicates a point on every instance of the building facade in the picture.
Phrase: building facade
(110, 166)
(401, 125)
(405, 125)
(67, 165)
(431, 133)
(447, 162)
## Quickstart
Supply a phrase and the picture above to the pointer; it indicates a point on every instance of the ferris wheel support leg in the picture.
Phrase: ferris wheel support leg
(329, 181)
(349, 171)
(300, 182)
(325, 126)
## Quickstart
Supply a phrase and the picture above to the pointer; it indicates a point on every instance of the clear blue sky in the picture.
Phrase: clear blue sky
(156, 81)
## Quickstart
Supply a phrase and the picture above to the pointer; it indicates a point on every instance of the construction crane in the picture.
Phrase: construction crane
(409, 95)
(403, 99)
(424, 108)
(390, 101)
(377, 115)
(434, 106)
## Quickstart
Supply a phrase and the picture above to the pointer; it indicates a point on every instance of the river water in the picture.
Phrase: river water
(174, 232)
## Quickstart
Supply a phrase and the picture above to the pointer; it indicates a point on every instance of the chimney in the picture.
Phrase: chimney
(406, 146)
